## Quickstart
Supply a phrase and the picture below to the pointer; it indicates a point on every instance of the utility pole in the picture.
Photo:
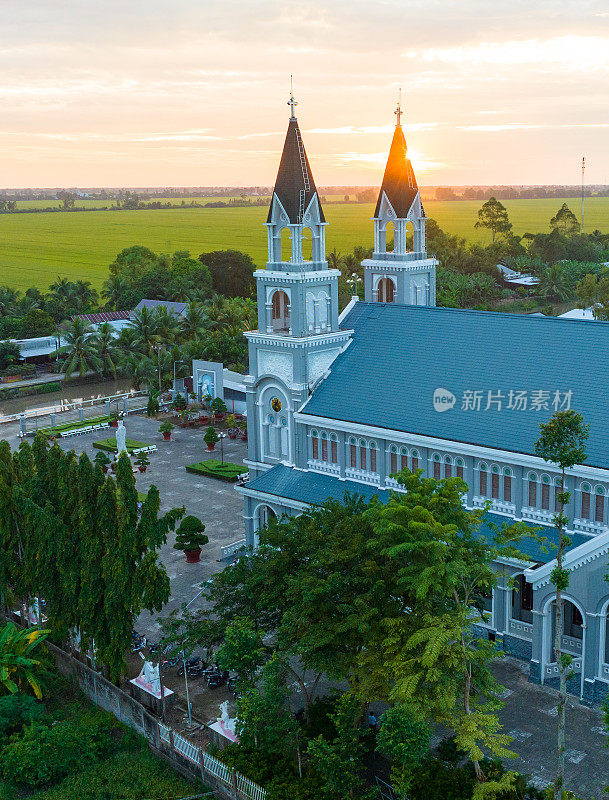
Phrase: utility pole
(583, 171)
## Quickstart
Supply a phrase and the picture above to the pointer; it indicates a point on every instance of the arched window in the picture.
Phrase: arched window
(532, 479)
(363, 454)
(495, 482)
(393, 459)
(545, 493)
(280, 312)
(507, 485)
(585, 490)
(415, 460)
(286, 245)
(265, 515)
(352, 453)
(324, 447)
(459, 467)
(315, 445)
(483, 479)
(386, 291)
(389, 237)
(448, 467)
(599, 505)
(436, 467)
(307, 244)
(372, 456)
(333, 448)
(403, 458)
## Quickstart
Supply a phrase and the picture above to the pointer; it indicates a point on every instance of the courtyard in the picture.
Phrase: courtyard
(529, 715)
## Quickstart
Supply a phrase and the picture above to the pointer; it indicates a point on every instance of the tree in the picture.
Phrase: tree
(232, 272)
(10, 352)
(242, 650)
(339, 763)
(565, 221)
(493, 216)
(67, 200)
(562, 441)
(19, 667)
(105, 347)
(555, 284)
(79, 348)
(189, 535)
(405, 740)
(145, 324)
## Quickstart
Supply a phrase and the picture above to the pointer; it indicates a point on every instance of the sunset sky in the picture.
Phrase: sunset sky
(193, 92)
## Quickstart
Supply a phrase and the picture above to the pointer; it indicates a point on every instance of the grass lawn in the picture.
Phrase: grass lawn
(111, 447)
(36, 248)
(215, 469)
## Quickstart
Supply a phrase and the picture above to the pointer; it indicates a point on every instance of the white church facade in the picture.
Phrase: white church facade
(341, 402)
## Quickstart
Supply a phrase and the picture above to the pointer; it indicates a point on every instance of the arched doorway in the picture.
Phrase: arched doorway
(280, 312)
(386, 291)
(264, 515)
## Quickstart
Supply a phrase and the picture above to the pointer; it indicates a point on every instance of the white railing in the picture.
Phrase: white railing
(362, 475)
(164, 732)
(229, 550)
(538, 515)
(552, 669)
(249, 788)
(571, 644)
(187, 749)
(218, 769)
(324, 466)
(588, 526)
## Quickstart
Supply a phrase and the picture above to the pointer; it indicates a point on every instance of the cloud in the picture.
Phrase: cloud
(377, 161)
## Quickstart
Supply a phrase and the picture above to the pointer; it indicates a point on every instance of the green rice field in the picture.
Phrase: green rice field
(36, 248)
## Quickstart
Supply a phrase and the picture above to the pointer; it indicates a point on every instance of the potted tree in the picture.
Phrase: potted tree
(142, 461)
(102, 459)
(243, 426)
(166, 428)
(114, 419)
(190, 538)
(230, 423)
(210, 438)
(218, 409)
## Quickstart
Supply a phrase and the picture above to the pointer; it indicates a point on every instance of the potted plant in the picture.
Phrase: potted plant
(243, 426)
(166, 428)
(142, 461)
(230, 423)
(113, 466)
(102, 459)
(190, 538)
(210, 438)
(114, 419)
(218, 409)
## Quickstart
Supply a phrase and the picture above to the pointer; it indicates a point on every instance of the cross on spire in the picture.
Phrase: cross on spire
(398, 112)
(291, 102)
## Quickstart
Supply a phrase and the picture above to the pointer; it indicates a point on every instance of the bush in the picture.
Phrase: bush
(189, 535)
(210, 437)
(17, 710)
(44, 755)
(213, 468)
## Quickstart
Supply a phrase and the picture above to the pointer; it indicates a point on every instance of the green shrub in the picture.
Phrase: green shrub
(216, 469)
(45, 754)
(17, 710)
(110, 446)
(48, 388)
(189, 535)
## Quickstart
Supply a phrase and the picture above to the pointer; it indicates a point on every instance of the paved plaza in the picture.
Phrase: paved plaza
(530, 710)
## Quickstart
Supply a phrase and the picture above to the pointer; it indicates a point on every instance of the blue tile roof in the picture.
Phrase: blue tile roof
(313, 487)
(401, 354)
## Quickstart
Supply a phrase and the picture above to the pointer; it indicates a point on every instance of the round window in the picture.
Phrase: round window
(276, 404)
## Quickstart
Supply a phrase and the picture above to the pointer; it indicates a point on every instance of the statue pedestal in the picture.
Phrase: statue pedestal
(223, 729)
(149, 695)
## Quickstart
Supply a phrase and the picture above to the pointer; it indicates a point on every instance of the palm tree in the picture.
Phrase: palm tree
(168, 326)
(145, 324)
(18, 667)
(79, 348)
(113, 290)
(9, 301)
(192, 323)
(335, 259)
(84, 295)
(105, 346)
(554, 283)
(62, 291)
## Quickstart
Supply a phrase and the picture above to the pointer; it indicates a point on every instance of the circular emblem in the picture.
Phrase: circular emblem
(276, 404)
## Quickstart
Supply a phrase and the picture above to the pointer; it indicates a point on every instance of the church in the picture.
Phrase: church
(340, 402)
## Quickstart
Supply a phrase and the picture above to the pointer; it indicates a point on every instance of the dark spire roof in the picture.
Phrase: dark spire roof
(295, 185)
(399, 181)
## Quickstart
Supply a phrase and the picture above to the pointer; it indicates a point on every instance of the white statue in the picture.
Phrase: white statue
(150, 676)
(121, 438)
(228, 723)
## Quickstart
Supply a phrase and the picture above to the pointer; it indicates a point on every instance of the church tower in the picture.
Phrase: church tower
(298, 333)
(399, 270)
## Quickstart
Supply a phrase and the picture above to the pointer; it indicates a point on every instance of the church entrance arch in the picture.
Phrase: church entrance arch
(386, 291)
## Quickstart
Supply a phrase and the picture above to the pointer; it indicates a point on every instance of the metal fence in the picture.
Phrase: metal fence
(227, 782)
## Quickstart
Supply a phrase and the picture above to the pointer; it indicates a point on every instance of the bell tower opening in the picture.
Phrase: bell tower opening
(280, 313)
(386, 291)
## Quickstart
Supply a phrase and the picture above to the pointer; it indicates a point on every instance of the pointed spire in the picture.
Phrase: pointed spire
(399, 181)
(294, 186)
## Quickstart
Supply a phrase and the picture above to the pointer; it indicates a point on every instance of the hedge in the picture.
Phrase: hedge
(215, 469)
(74, 426)
(111, 447)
